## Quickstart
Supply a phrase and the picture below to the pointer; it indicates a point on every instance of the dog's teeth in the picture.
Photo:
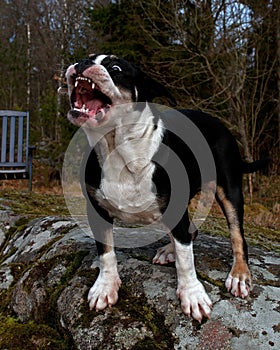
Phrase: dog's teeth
(84, 109)
(92, 86)
(76, 83)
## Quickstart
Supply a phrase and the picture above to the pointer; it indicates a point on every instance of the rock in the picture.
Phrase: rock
(6, 277)
(7, 217)
(2, 237)
(48, 267)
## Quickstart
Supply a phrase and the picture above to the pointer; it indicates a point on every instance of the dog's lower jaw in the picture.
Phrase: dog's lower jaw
(194, 299)
(104, 292)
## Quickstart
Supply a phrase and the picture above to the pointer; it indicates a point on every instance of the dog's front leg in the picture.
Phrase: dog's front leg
(104, 292)
(194, 299)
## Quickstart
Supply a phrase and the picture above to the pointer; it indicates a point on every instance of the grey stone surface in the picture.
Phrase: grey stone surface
(50, 265)
(2, 237)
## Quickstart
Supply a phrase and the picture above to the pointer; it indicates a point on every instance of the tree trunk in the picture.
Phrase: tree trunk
(28, 92)
(277, 8)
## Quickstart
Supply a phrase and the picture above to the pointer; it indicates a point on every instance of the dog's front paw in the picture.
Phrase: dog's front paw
(165, 255)
(239, 281)
(104, 293)
(194, 301)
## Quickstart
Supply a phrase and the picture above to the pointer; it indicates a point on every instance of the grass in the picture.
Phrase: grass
(261, 217)
(33, 204)
(257, 235)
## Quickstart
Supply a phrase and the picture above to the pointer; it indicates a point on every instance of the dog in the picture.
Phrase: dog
(111, 99)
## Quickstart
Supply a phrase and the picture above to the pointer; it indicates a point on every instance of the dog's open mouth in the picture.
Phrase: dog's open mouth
(87, 100)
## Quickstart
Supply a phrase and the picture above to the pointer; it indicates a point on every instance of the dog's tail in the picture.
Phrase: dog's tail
(255, 166)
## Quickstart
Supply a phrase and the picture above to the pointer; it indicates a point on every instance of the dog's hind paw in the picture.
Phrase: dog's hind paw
(104, 293)
(238, 287)
(239, 281)
(195, 301)
(165, 255)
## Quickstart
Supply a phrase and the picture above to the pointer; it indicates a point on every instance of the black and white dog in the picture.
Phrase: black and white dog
(123, 180)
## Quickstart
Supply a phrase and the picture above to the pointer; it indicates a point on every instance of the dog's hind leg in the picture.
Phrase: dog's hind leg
(104, 292)
(194, 299)
(165, 254)
(239, 279)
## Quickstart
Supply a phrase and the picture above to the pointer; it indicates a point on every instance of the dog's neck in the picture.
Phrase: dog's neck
(125, 155)
(132, 140)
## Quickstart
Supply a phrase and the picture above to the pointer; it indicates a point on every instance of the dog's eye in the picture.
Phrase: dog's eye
(115, 67)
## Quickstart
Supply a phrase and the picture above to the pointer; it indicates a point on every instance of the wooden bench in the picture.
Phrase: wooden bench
(16, 153)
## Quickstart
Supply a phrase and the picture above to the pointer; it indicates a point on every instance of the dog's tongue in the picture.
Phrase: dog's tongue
(94, 106)
(88, 102)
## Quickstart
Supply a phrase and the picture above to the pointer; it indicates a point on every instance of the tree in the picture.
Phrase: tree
(221, 56)
(213, 55)
(38, 41)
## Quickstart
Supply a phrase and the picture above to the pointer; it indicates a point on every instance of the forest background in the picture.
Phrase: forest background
(220, 56)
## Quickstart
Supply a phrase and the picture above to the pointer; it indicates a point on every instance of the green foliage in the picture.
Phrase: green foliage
(115, 27)
(47, 113)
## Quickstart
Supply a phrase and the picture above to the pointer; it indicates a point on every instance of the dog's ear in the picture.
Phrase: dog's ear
(149, 89)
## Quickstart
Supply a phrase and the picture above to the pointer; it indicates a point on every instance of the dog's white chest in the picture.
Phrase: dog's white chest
(128, 195)
(126, 189)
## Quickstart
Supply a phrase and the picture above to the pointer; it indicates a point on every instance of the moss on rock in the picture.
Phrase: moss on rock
(15, 335)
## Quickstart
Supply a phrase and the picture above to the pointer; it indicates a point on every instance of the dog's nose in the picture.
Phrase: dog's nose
(83, 64)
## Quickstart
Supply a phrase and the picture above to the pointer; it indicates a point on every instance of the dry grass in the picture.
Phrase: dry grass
(42, 182)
